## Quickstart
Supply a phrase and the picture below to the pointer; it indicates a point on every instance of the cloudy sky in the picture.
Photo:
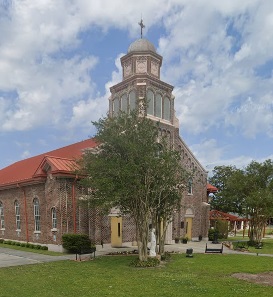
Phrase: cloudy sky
(58, 59)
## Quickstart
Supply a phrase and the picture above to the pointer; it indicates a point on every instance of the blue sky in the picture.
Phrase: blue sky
(58, 59)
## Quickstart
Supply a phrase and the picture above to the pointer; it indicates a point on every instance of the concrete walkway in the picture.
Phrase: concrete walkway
(11, 257)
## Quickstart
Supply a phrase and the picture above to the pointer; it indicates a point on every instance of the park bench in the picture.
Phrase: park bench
(91, 250)
(214, 250)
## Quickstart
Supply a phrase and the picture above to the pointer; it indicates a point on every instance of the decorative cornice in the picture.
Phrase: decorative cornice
(133, 80)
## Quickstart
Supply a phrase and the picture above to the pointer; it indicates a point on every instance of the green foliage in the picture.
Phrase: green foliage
(224, 200)
(23, 244)
(132, 171)
(211, 234)
(1, 240)
(222, 228)
(166, 256)
(75, 243)
(151, 262)
(184, 239)
(247, 191)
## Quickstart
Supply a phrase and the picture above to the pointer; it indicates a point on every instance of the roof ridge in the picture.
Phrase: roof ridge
(56, 157)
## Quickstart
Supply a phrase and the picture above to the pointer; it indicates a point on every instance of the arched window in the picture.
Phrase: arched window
(167, 109)
(124, 103)
(17, 215)
(190, 186)
(2, 219)
(116, 106)
(54, 218)
(37, 218)
(150, 102)
(158, 106)
(132, 100)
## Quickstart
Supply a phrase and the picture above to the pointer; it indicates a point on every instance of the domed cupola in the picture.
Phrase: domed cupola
(141, 45)
(141, 86)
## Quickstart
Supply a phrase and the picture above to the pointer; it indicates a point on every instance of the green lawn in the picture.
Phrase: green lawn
(266, 249)
(202, 275)
(15, 247)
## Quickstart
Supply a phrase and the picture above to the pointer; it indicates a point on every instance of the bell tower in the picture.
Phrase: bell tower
(141, 87)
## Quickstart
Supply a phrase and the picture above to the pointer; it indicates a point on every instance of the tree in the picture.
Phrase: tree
(170, 182)
(224, 200)
(247, 191)
(132, 171)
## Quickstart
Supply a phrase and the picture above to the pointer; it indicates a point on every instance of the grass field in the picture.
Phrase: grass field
(29, 250)
(202, 275)
(266, 249)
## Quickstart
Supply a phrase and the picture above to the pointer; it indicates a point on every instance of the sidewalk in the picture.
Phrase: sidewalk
(197, 246)
(11, 257)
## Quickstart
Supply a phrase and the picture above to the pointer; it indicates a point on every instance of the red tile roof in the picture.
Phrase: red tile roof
(211, 188)
(61, 159)
(57, 165)
(220, 215)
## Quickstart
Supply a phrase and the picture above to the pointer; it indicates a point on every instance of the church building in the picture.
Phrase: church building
(40, 196)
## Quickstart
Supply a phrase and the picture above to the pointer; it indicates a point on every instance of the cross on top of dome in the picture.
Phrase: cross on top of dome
(141, 26)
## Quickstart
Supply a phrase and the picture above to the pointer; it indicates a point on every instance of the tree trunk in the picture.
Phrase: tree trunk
(142, 241)
(162, 228)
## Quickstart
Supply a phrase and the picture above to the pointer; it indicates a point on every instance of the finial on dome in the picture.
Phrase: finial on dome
(141, 26)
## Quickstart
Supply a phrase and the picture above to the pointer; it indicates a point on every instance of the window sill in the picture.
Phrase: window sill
(190, 194)
(37, 232)
(54, 230)
(18, 230)
(3, 229)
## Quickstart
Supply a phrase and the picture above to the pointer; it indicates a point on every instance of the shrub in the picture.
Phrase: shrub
(166, 256)
(151, 262)
(75, 243)
(28, 245)
(1, 240)
(43, 247)
(211, 234)
(23, 244)
(222, 228)
(18, 243)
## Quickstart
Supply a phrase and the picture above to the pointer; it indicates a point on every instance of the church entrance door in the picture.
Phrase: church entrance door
(189, 228)
(116, 231)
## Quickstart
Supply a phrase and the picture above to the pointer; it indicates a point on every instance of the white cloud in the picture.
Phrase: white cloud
(208, 152)
(211, 49)
(212, 63)
(94, 108)
(45, 90)
(254, 117)
(26, 154)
